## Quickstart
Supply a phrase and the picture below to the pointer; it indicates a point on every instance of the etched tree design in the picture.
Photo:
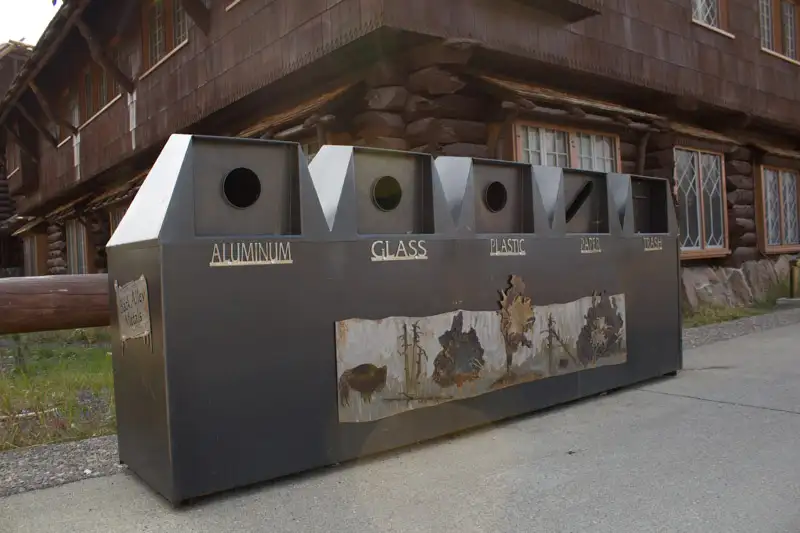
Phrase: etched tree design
(461, 357)
(414, 356)
(554, 340)
(516, 319)
(602, 332)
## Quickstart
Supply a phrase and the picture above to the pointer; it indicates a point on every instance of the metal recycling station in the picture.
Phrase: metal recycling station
(272, 316)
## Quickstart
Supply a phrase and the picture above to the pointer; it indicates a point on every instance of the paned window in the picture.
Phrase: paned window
(30, 255)
(708, 12)
(115, 217)
(166, 26)
(702, 200)
(97, 89)
(779, 197)
(12, 157)
(76, 247)
(779, 23)
(567, 149)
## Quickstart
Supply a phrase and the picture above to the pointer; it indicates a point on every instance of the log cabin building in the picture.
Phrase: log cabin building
(13, 55)
(705, 92)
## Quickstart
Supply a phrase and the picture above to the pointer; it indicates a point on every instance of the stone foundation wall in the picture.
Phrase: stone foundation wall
(751, 283)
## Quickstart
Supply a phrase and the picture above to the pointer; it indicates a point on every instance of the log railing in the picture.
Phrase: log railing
(48, 303)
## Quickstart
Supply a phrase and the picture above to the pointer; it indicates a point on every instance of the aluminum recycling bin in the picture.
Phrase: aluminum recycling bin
(271, 316)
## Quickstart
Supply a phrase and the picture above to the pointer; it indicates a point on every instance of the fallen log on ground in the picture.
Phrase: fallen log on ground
(49, 303)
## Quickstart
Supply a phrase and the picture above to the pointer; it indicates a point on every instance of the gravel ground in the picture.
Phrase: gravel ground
(47, 466)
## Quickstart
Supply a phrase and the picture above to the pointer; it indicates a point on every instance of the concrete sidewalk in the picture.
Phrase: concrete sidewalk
(714, 450)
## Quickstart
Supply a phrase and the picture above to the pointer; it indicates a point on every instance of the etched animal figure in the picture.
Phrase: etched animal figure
(516, 318)
(602, 331)
(461, 358)
(366, 379)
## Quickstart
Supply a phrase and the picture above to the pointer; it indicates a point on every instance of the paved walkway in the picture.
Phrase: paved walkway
(714, 450)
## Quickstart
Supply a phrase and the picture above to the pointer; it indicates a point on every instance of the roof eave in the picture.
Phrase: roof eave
(48, 43)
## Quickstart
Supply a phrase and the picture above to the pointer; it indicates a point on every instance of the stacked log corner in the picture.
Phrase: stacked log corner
(419, 105)
(57, 249)
(660, 157)
(740, 192)
(6, 202)
(629, 151)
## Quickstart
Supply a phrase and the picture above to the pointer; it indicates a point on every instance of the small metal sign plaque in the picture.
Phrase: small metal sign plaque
(133, 310)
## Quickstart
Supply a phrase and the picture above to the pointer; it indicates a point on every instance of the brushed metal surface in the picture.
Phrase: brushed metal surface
(239, 384)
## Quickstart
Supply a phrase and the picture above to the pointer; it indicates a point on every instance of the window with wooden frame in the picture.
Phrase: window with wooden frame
(35, 254)
(712, 13)
(12, 157)
(96, 89)
(559, 147)
(779, 210)
(29, 254)
(59, 132)
(700, 177)
(165, 26)
(779, 23)
(115, 215)
(77, 248)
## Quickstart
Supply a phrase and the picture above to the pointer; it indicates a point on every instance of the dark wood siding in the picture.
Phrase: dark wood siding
(635, 51)
(251, 45)
(648, 43)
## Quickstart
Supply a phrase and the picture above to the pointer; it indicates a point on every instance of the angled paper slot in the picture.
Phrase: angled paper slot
(586, 206)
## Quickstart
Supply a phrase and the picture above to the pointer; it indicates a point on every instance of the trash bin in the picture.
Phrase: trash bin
(271, 317)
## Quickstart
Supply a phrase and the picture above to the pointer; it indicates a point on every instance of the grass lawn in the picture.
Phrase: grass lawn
(714, 315)
(55, 387)
(707, 315)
